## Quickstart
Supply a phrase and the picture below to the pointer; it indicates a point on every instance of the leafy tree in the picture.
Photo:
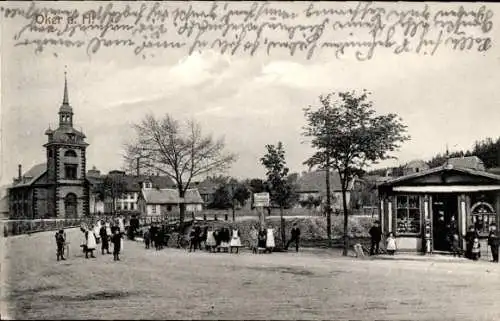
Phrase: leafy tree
(229, 193)
(281, 191)
(488, 151)
(222, 199)
(177, 150)
(113, 187)
(257, 185)
(348, 136)
(241, 194)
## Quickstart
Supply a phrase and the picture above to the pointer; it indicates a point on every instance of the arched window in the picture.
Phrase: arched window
(70, 153)
(70, 203)
(483, 216)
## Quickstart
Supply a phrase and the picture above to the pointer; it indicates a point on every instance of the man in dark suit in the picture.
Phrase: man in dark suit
(493, 242)
(295, 233)
(376, 237)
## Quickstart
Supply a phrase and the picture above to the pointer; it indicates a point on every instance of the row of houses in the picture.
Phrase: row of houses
(141, 194)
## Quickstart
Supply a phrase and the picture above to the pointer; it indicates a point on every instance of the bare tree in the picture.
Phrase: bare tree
(178, 150)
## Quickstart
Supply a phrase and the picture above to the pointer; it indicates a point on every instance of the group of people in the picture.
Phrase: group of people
(156, 235)
(473, 246)
(225, 239)
(103, 233)
(449, 239)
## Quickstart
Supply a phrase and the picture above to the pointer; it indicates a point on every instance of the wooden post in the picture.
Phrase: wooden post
(261, 215)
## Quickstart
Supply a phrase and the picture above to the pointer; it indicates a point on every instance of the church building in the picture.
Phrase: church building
(57, 188)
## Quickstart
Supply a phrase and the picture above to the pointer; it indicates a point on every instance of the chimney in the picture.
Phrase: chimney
(19, 171)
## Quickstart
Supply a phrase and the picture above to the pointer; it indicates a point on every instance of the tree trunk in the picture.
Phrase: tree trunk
(328, 208)
(232, 208)
(346, 219)
(283, 232)
(182, 207)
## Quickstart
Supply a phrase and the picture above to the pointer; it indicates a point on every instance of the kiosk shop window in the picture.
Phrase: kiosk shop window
(483, 216)
(408, 214)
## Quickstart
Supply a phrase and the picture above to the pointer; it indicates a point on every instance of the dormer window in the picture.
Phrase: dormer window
(147, 185)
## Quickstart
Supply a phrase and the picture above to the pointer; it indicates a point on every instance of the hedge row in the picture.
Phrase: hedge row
(313, 229)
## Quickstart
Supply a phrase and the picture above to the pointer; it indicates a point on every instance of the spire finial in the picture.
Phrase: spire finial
(65, 97)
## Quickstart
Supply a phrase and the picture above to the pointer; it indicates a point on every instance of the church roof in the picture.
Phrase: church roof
(31, 176)
(65, 109)
(62, 133)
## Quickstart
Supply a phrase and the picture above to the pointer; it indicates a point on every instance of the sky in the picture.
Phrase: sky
(448, 98)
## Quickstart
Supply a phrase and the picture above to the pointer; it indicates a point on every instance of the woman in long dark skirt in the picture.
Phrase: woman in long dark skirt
(218, 238)
(262, 238)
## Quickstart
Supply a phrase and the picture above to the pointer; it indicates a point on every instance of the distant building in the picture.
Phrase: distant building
(415, 166)
(471, 162)
(96, 199)
(57, 188)
(207, 190)
(311, 186)
(133, 184)
(166, 202)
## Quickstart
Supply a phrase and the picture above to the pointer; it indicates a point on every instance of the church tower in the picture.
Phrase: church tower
(68, 194)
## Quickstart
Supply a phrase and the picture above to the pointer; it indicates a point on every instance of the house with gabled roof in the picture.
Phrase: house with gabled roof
(166, 201)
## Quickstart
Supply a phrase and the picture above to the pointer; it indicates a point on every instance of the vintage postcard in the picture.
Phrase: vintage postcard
(249, 160)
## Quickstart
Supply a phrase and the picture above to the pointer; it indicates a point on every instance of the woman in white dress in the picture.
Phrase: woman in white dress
(91, 243)
(108, 230)
(270, 239)
(121, 226)
(235, 240)
(96, 230)
(211, 243)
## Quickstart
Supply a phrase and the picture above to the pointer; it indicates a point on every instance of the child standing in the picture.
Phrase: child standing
(391, 244)
(211, 243)
(262, 240)
(147, 238)
(254, 239)
(476, 249)
(455, 246)
(60, 242)
(117, 242)
(192, 239)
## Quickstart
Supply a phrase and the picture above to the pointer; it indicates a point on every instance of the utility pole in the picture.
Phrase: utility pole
(232, 201)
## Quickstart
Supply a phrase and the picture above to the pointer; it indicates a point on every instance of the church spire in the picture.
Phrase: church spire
(65, 111)
(65, 96)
